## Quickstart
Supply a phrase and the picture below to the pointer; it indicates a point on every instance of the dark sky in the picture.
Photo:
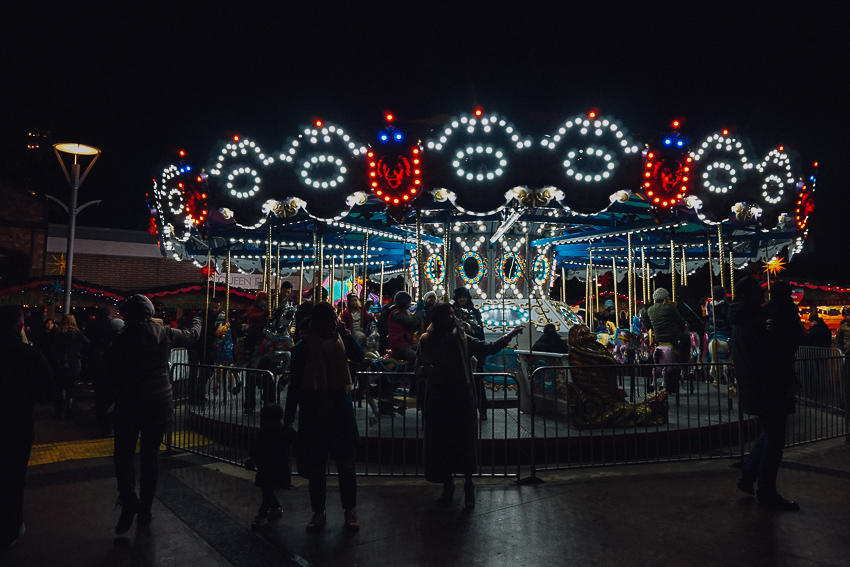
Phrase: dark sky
(140, 86)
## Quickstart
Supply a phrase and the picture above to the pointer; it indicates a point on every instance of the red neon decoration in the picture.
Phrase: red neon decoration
(394, 171)
(666, 176)
(805, 208)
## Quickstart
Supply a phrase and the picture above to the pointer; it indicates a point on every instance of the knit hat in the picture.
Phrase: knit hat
(402, 298)
(116, 324)
(660, 295)
(430, 295)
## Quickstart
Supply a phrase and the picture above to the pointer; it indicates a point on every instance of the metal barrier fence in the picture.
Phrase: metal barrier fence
(566, 416)
(216, 409)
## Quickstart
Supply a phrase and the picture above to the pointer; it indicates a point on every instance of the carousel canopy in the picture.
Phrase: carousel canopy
(479, 194)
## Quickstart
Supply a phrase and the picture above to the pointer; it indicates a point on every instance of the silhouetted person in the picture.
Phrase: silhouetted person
(469, 318)
(320, 392)
(400, 327)
(71, 345)
(550, 341)
(764, 343)
(819, 334)
(270, 457)
(143, 402)
(449, 410)
(24, 379)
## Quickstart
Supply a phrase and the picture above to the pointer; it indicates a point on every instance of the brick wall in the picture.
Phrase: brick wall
(134, 273)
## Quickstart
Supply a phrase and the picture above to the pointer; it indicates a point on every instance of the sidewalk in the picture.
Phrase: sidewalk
(670, 514)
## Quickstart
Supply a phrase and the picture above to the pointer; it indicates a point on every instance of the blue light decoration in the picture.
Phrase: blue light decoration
(504, 315)
(461, 269)
(518, 271)
(435, 269)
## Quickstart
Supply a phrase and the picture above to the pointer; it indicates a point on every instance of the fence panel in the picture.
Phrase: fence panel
(216, 408)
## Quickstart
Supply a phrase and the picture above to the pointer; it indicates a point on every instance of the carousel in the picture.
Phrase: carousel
(521, 219)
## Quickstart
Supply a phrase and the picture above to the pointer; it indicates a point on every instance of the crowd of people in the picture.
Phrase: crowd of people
(127, 358)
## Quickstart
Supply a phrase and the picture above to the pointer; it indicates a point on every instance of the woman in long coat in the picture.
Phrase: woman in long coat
(450, 405)
(320, 392)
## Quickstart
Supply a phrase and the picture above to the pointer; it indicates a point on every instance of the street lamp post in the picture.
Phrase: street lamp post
(75, 179)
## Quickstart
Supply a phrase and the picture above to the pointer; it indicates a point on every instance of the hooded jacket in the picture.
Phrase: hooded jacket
(139, 361)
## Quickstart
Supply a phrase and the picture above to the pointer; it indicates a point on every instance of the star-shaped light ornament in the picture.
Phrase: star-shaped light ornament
(775, 265)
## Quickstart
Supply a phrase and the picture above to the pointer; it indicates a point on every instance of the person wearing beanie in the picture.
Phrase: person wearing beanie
(717, 327)
(138, 363)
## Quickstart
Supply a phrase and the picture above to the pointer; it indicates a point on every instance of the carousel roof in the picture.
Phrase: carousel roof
(583, 189)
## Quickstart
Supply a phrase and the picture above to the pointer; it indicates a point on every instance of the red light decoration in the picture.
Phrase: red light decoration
(479, 112)
(319, 123)
(389, 117)
(805, 208)
(591, 114)
(815, 164)
(395, 176)
(725, 132)
(667, 178)
(235, 138)
(182, 153)
(675, 124)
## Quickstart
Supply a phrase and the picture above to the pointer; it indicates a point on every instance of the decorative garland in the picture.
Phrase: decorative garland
(461, 269)
(515, 315)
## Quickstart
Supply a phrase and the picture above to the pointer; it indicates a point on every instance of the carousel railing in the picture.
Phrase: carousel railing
(549, 423)
(217, 409)
(604, 415)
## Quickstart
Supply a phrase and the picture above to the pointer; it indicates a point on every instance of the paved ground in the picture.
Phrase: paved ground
(672, 514)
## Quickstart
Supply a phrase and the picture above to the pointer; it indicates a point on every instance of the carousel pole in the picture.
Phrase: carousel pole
(630, 275)
(315, 264)
(277, 279)
(321, 267)
(590, 274)
(381, 288)
(768, 285)
(644, 284)
(420, 289)
(684, 267)
(616, 298)
(365, 273)
(710, 271)
(332, 282)
(301, 282)
(731, 275)
(596, 288)
(721, 256)
(673, 269)
(227, 288)
(563, 285)
(206, 304)
(587, 294)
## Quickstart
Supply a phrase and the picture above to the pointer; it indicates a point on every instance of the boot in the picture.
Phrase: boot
(448, 493)
(129, 508)
(469, 494)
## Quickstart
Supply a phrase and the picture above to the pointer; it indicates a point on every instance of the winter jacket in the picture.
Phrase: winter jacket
(25, 378)
(400, 328)
(749, 349)
(667, 324)
(348, 320)
(819, 335)
(139, 365)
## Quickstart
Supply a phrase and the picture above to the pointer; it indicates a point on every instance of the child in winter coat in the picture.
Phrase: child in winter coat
(270, 454)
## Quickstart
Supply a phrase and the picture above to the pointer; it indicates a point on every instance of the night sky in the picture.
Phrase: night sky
(141, 86)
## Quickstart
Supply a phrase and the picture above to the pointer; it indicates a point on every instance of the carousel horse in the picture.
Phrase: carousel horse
(594, 398)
